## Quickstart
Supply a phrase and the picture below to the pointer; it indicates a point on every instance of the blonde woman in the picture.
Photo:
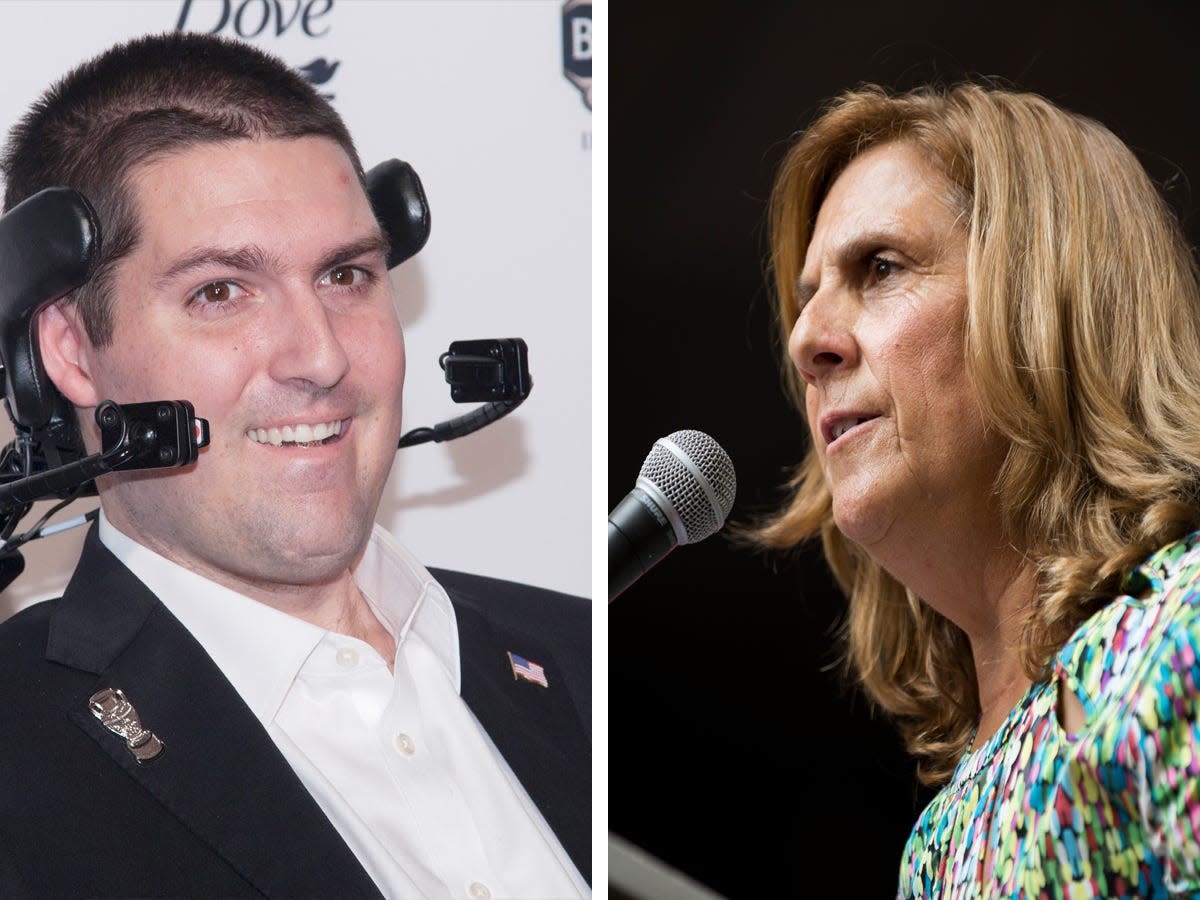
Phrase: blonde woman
(993, 324)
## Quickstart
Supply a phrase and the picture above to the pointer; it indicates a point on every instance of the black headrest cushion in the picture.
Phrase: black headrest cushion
(48, 245)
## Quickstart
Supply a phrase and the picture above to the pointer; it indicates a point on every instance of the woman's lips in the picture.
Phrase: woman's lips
(838, 425)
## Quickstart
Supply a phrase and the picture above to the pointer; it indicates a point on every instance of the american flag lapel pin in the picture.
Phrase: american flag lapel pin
(527, 669)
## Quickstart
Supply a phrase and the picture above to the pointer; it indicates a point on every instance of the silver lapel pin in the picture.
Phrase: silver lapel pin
(118, 716)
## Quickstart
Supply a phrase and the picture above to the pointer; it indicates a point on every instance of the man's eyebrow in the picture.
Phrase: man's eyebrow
(253, 258)
(375, 243)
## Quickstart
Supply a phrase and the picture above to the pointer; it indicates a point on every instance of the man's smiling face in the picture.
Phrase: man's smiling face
(259, 291)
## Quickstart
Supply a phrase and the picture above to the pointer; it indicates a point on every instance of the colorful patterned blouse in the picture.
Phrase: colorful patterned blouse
(1110, 811)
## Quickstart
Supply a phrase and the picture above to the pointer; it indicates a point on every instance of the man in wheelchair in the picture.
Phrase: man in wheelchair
(248, 688)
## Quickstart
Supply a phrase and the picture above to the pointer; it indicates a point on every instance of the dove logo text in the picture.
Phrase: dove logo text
(250, 18)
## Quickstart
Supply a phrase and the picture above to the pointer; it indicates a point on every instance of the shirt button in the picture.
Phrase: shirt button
(404, 744)
(347, 657)
(479, 891)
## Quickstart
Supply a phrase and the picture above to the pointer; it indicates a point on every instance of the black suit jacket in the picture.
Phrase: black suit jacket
(220, 813)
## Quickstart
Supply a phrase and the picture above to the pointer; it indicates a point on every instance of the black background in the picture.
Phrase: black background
(736, 753)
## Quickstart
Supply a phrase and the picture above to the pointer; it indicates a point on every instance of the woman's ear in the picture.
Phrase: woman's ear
(66, 352)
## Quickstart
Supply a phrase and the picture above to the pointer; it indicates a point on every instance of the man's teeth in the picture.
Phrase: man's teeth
(295, 434)
(843, 426)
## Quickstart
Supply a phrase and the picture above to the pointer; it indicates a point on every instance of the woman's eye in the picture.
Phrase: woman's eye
(879, 268)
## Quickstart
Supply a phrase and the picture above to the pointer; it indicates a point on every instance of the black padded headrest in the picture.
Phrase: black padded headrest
(49, 244)
(399, 203)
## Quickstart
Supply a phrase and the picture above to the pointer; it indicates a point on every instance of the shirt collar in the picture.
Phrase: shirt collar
(261, 649)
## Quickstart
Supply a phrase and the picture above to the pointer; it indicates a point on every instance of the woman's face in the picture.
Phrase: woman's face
(880, 343)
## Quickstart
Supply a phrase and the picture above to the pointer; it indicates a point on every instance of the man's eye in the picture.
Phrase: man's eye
(347, 276)
(216, 292)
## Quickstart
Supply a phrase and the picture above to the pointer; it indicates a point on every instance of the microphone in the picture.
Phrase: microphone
(682, 495)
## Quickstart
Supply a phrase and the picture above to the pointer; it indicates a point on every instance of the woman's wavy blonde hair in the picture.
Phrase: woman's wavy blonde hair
(1083, 342)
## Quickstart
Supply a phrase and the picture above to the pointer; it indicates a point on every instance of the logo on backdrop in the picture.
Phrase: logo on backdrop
(251, 19)
(577, 46)
(319, 71)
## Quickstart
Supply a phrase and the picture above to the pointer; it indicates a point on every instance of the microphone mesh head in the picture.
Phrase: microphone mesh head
(702, 498)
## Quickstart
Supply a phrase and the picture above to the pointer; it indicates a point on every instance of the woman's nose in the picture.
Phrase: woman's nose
(822, 340)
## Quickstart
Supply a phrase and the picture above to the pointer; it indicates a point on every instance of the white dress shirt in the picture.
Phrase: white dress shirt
(398, 762)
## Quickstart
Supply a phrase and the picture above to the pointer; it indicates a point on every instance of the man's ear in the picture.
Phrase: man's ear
(67, 352)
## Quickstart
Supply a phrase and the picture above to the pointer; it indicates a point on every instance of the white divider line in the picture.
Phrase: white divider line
(640, 876)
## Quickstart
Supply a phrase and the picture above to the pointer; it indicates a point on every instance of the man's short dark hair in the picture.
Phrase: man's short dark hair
(137, 103)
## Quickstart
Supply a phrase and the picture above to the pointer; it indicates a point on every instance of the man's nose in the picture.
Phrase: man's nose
(307, 346)
(822, 340)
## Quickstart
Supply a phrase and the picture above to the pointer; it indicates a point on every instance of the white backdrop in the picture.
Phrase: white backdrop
(473, 95)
